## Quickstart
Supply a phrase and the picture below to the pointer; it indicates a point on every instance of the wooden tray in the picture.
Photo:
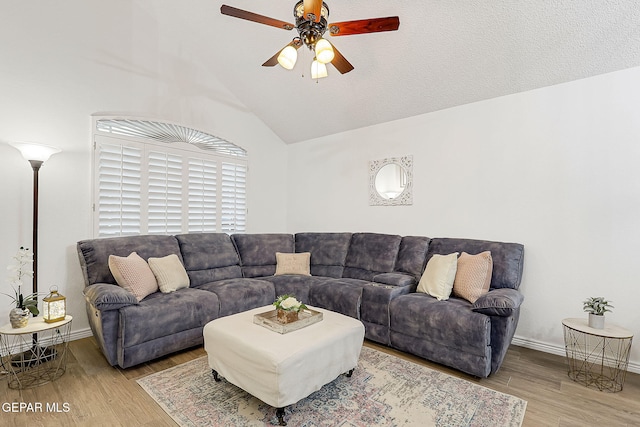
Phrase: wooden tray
(269, 320)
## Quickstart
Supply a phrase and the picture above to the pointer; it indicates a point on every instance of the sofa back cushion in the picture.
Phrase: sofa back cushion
(258, 252)
(328, 252)
(508, 258)
(209, 257)
(370, 254)
(94, 253)
(412, 255)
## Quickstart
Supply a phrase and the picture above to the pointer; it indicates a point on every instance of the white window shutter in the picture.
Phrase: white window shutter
(202, 183)
(234, 198)
(118, 189)
(164, 193)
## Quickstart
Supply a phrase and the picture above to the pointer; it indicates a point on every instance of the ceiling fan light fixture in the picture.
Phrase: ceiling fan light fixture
(318, 70)
(288, 57)
(324, 51)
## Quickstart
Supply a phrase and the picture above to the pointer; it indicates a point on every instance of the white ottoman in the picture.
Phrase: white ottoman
(281, 369)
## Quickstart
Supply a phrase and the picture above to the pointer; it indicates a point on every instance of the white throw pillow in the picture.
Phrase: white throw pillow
(437, 279)
(293, 263)
(169, 272)
(133, 274)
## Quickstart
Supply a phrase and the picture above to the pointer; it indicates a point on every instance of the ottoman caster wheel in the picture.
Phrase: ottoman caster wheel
(215, 375)
(348, 374)
(280, 415)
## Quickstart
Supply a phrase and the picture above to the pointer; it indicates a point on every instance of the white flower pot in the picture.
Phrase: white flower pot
(596, 321)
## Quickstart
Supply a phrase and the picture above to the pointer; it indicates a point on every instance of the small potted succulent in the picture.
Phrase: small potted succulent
(287, 308)
(596, 307)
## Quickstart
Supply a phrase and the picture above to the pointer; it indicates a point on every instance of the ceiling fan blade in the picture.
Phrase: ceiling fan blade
(340, 62)
(364, 26)
(250, 16)
(314, 7)
(274, 59)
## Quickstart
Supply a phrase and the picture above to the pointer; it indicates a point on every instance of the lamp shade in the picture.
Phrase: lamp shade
(54, 307)
(324, 51)
(288, 57)
(37, 152)
(318, 70)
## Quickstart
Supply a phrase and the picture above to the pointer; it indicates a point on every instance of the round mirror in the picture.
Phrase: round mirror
(391, 181)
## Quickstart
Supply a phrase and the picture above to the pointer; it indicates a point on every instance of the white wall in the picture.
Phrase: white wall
(556, 169)
(54, 75)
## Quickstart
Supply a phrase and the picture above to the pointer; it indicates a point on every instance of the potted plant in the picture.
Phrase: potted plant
(24, 305)
(288, 307)
(596, 307)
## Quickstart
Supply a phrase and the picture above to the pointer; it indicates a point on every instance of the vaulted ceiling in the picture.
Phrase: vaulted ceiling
(446, 53)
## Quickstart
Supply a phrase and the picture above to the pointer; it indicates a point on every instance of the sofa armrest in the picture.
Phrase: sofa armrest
(499, 302)
(394, 279)
(105, 296)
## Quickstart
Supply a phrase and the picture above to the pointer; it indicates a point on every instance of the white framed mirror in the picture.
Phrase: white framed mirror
(391, 181)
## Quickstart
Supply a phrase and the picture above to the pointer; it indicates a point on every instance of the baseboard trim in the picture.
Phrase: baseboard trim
(519, 341)
(82, 333)
(558, 350)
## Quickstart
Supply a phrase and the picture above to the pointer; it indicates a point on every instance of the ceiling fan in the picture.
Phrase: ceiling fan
(311, 22)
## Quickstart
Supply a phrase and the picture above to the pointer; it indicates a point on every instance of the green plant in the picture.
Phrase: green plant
(22, 268)
(596, 305)
(288, 303)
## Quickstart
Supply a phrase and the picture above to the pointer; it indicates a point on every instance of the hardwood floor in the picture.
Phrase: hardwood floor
(97, 394)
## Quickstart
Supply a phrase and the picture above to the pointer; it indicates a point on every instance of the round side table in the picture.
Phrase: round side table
(36, 354)
(597, 357)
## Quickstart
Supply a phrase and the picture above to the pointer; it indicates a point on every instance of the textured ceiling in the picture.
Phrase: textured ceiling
(445, 53)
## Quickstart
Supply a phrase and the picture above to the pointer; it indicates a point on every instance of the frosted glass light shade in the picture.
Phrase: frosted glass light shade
(318, 70)
(37, 152)
(324, 51)
(288, 57)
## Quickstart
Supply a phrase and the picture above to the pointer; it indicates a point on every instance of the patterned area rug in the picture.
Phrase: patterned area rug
(383, 391)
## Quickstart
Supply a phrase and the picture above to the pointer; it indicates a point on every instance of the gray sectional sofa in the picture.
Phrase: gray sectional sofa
(369, 276)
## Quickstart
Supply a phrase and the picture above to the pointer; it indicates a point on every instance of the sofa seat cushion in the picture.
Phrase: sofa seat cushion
(294, 284)
(340, 295)
(236, 295)
(160, 315)
(450, 323)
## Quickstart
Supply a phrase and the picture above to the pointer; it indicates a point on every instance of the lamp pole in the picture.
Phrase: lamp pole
(35, 164)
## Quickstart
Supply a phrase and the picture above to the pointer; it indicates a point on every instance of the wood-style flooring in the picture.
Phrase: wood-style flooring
(93, 393)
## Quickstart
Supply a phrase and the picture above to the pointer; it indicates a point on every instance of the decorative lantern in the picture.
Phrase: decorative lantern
(54, 307)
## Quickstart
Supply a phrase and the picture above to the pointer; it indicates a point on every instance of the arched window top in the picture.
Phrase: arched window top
(168, 133)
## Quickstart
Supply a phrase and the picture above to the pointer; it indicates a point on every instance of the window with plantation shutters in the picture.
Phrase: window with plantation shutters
(142, 186)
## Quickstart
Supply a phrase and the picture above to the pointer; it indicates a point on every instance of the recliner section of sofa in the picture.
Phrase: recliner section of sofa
(368, 276)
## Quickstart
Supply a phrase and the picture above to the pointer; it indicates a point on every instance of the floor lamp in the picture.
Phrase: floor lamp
(36, 155)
